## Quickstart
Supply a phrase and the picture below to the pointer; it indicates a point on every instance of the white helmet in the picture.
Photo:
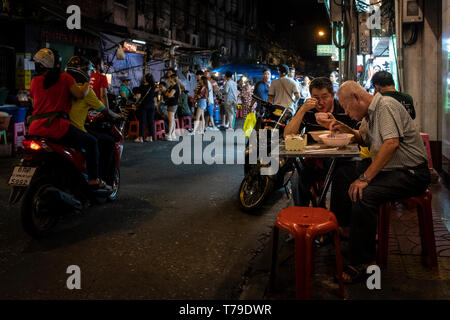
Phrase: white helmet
(45, 57)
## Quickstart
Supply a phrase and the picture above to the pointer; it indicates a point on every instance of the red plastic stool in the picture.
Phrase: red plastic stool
(133, 129)
(425, 217)
(160, 130)
(305, 223)
(19, 134)
(186, 122)
(426, 140)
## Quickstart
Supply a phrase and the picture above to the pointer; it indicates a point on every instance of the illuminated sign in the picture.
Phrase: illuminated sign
(129, 47)
(324, 50)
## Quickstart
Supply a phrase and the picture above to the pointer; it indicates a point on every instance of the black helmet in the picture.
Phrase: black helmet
(79, 68)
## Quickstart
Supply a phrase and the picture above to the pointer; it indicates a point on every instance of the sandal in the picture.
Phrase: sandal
(100, 185)
(357, 273)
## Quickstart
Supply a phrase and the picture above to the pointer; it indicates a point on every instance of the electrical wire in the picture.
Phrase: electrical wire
(413, 37)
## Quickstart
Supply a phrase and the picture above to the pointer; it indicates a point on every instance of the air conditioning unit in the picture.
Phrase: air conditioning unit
(166, 33)
(412, 11)
(336, 13)
(223, 50)
(194, 39)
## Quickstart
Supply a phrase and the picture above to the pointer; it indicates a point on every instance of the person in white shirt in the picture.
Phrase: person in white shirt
(304, 91)
(230, 94)
(210, 109)
(284, 92)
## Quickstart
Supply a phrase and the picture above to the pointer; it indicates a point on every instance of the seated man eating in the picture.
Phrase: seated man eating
(322, 100)
(399, 168)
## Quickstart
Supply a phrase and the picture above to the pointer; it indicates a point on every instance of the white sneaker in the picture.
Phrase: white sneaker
(139, 140)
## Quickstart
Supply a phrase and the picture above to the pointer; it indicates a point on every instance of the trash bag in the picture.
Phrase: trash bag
(249, 124)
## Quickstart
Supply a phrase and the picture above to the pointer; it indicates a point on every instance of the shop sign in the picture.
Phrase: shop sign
(324, 50)
(75, 39)
(23, 70)
(129, 47)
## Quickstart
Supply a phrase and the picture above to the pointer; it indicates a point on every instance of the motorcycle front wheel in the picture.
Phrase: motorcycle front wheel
(39, 211)
(253, 191)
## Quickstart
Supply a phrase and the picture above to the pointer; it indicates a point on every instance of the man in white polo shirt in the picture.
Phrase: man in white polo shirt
(399, 168)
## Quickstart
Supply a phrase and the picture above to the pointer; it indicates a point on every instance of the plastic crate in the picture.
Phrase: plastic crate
(12, 110)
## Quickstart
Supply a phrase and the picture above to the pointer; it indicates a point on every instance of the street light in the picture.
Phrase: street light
(321, 33)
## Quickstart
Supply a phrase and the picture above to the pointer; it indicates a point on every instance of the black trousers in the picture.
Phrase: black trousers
(344, 172)
(77, 139)
(106, 147)
(147, 116)
(361, 215)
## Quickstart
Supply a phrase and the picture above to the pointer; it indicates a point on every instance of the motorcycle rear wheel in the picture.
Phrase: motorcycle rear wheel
(253, 191)
(39, 215)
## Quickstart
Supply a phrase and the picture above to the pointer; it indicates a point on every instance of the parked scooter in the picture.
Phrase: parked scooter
(255, 187)
(51, 179)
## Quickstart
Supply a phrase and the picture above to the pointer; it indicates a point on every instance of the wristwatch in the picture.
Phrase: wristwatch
(363, 178)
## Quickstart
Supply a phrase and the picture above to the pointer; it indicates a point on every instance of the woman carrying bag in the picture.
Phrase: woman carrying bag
(146, 108)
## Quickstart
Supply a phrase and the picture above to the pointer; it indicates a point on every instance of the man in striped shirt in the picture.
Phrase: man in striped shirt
(398, 170)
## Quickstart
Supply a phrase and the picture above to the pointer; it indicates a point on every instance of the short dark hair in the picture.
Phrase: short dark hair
(228, 74)
(205, 81)
(199, 73)
(266, 70)
(173, 76)
(162, 83)
(383, 79)
(172, 69)
(96, 61)
(283, 69)
(321, 83)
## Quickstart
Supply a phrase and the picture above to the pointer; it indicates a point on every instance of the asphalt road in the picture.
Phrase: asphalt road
(176, 232)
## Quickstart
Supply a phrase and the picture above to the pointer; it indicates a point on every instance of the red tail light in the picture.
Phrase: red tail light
(32, 145)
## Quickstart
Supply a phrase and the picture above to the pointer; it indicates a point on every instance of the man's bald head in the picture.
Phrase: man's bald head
(349, 88)
(354, 99)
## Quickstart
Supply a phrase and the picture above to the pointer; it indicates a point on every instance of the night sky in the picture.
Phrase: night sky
(307, 17)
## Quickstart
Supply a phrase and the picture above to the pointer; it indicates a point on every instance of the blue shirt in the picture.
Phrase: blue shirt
(262, 90)
(125, 90)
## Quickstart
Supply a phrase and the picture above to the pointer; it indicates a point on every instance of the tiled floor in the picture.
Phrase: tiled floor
(405, 276)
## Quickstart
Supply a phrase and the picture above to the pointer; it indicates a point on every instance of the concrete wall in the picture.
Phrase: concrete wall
(423, 75)
(445, 110)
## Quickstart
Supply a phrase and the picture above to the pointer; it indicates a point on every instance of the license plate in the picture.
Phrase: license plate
(21, 176)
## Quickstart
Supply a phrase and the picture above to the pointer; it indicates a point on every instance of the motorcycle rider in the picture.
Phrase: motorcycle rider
(51, 92)
(79, 68)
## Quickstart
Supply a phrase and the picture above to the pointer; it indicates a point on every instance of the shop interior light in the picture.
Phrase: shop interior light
(139, 41)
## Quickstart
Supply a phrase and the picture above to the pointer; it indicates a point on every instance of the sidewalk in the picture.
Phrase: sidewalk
(404, 278)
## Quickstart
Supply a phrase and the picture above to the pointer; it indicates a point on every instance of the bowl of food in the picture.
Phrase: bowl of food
(316, 134)
(338, 140)
(322, 116)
